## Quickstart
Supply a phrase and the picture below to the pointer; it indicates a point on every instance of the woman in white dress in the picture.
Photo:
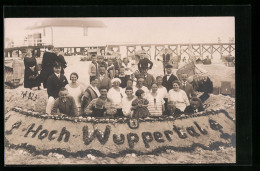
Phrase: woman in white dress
(75, 89)
(156, 102)
(128, 66)
(179, 96)
(116, 95)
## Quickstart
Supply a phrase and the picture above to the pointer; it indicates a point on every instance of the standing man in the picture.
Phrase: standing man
(168, 78)
(103, 80)
(148, 78)
(92, 69)
(54, 83)
(144, 62)
(187, 87)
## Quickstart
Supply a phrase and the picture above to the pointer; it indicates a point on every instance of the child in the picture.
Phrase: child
(139, 105)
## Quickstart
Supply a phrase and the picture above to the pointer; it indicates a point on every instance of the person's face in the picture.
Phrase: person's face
(140, 82)
(102, 70)
(99, 60)
(94, 82)
(94, 59)
(176, 86)
(57, 70)
(73, 78)
(63, 94)
(129, 83)
(125, 61)
(171, 107)
(103, 92)
(159, 81)
(141, 56)
(184, 77)
(144, 71)
(29, 52)
(129, 93)
(122, 71)
(205, 78)
(110, 62)
(116, 84)
(168, 70)
(194, 104)
(154, 88)
(142, 95)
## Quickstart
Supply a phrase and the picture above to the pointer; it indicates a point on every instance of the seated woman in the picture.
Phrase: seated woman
(127, 102)
(101, 106)
(171, 110)
(179, 96)
(156, 102)
(194, 107)
(65, 104)
(116, 93)
(139, 105)
(75, 90)
(90, 93)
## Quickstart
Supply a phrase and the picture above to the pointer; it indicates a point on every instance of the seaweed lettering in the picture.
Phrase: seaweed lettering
(46, 133)
(102, 138)
(16, 125)
(31, 95)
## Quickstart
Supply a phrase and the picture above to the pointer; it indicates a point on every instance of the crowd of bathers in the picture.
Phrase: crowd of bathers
(115, 89)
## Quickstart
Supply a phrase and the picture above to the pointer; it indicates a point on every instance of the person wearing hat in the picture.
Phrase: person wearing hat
(116, 93)
(48, 60)
(101, 106)
(31, 76)
(186, 86)
(144, 62)
(168, 78)
(194, 107)
(90, 93)
(54, 83)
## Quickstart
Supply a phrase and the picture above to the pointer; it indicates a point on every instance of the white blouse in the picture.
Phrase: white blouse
(76, 93)
(116, 96)
(180, 98)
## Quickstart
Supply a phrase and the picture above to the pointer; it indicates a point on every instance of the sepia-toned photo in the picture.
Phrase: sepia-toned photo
(121, 90)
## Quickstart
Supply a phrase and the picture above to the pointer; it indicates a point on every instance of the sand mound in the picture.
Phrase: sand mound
(26, 99)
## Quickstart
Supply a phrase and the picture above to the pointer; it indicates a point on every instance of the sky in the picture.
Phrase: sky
(143, 30)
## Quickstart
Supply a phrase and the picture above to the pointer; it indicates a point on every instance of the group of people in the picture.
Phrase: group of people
(115, 90)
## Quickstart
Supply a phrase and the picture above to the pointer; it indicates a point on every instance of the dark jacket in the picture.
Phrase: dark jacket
(54, 84)
(176, 113)
(31, 78)
(143, 64)
(48, 60)
(188, 89)
(68, 108)
(190, 110)
(168, 83)
(148, 80)
(206, 87)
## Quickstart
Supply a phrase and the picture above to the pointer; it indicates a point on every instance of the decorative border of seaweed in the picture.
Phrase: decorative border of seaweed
(157, 151)
(118, 120)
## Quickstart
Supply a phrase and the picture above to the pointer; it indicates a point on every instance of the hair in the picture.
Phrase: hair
(139, 92)
(102, 66)
(63, 89)
(122, 67)
(92, 56)
(92, 78)
(195, 99)
(176, 81)
(100, 57)
(103, 87)
(171, 103)
(128, 88)
(154, 83)
(158, 77)
(50, 47)
(125, 58)
(56, 65)
(74, 73)
(129, 80)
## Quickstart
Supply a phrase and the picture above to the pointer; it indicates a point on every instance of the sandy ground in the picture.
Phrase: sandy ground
(217, 73)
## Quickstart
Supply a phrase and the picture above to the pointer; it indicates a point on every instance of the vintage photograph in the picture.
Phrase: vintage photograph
(119, 90)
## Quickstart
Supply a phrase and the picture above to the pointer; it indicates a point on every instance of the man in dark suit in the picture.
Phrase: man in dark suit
(205, 86)
(194, 107)
(148, 78)
(55, 82)
(171, 110)
(103, 80)
(186, 86)
(168, 78)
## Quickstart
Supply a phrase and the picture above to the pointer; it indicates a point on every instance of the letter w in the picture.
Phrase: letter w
(87, 138)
